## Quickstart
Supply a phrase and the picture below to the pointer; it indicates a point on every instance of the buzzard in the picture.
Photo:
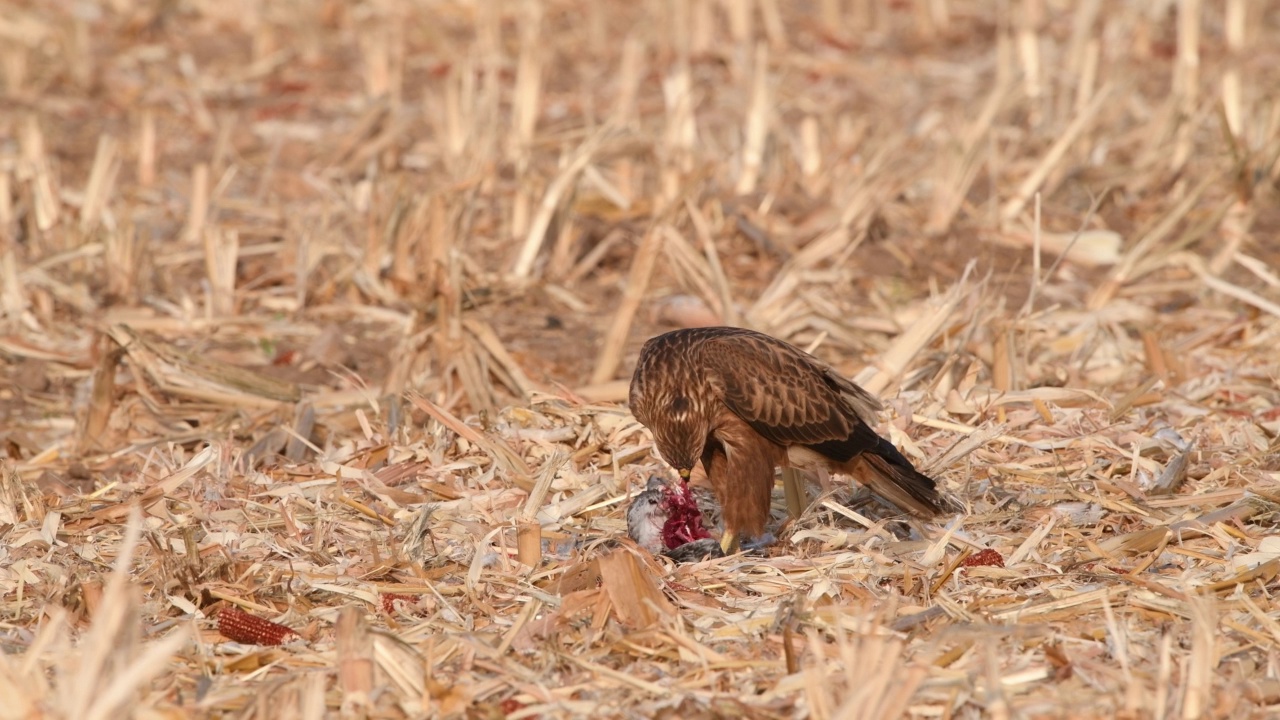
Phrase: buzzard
(744, 403)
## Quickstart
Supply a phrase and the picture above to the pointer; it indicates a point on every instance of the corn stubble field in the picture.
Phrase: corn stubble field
(322, 314)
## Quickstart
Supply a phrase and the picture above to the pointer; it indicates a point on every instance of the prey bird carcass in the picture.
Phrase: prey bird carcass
(669, 521)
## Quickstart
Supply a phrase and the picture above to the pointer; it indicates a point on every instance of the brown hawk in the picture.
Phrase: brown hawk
(744, 403)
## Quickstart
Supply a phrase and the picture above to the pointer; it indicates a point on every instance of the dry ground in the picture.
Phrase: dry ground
(325, 311)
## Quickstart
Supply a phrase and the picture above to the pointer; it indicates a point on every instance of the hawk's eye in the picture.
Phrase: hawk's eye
(680, 405)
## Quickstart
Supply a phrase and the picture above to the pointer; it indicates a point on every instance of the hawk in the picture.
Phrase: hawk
(744, 403)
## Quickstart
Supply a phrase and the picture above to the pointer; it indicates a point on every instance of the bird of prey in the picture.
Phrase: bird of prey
(743, 403)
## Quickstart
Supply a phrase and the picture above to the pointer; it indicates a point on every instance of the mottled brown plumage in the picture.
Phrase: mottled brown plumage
(744, 403)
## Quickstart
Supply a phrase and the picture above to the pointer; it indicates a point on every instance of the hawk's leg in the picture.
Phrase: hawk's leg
(793, 490)
(739, 465)
(715, 463)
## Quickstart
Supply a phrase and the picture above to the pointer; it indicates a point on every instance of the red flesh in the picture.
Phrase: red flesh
(684, 520)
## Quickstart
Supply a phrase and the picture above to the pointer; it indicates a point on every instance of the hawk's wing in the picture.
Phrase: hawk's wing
(785, 394)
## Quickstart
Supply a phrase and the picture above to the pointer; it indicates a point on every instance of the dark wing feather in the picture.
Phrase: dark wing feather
(783, 393)
(862, 439)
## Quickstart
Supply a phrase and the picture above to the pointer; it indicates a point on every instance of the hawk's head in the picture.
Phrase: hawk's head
(680, 434)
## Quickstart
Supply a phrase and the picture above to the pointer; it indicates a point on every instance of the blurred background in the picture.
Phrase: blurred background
(479, 199)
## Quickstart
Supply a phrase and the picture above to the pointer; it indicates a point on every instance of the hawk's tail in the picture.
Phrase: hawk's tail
(895, 479)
